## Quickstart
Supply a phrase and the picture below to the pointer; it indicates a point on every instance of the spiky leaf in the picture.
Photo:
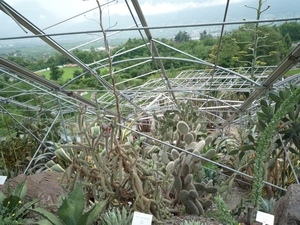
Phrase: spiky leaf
(47, 215)
(89, 217)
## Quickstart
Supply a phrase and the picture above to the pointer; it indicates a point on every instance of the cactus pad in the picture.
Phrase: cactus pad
(177, 183)
(170, 167)
(188, 179)
(175, 154)
(188, 138)
(192, 208)
(199, 206)
(183, 195)
(182, 127)
(199, 186)
(200, 145)
(211, 189)
(207, 204)
(210, 154)
(193, 194)
(185, 170)
(208, 140)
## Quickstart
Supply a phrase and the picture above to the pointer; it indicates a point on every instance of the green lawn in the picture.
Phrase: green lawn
(68, 73)
(292, 72)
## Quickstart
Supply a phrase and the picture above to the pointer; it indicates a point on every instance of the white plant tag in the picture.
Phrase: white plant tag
(265, 218)
(141, 219)
(2, 179)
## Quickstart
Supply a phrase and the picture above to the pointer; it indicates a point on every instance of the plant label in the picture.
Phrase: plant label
(265, 218)
(2, 179)
(141, 219)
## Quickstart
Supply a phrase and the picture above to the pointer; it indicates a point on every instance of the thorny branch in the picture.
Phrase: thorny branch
(110, 69)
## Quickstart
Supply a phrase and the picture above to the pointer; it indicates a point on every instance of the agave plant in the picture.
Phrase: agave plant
(72, 210)
(267, 205)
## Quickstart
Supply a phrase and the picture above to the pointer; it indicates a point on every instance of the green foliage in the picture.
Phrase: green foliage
(229, 50)
(166, 125)
(55, 72)
(115, 170)
(240, 208)
(292, 29)
(185, 167)
(117, 216)
(223, 214)
(19, 146)
(182, 36)
(210, 172)
(286, 106)
(12, 208)
(267, 205)
(71, 211)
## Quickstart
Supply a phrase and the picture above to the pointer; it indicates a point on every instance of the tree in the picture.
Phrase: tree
(76, 73)
(229, 50)
(182, 37)
(292, 29)
(204, 35)
(55, 72)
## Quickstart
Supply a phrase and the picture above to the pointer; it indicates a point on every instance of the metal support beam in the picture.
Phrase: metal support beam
(291, 60)
(155, 27)
(35, 30)
(153, 46)
(22, 72)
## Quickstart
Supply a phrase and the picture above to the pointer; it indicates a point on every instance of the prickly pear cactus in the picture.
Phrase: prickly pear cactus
(166, 125)
(184, 167)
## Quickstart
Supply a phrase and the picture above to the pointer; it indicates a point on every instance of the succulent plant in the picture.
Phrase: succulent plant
(166, 125)
(115, 170)
(267, 205)
(185, 166)
(13, 208)
(117, 217)
(71, 211)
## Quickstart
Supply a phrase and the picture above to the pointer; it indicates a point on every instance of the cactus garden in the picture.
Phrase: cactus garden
(186, 131)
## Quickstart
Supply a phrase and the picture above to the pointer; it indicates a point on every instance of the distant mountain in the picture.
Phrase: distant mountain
(41, 17)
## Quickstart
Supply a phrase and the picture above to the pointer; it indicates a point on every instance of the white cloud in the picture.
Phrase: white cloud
(67, 8)
(150, 8)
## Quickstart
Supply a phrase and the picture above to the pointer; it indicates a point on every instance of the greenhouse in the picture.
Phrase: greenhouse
(151, 124)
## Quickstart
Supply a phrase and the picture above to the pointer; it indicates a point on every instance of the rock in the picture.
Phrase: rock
(43, 186)
(287, 208)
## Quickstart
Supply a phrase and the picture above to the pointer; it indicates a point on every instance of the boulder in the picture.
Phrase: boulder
(43, 186)
(287, 208)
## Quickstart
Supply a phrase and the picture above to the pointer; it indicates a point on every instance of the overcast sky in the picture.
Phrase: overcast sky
(65, 8)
